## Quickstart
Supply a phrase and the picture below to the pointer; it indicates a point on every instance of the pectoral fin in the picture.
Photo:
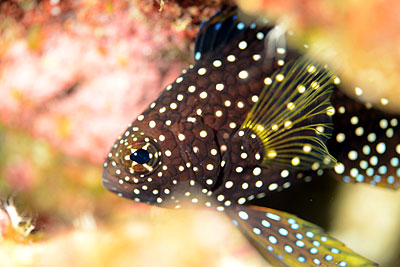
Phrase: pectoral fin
(292, 117)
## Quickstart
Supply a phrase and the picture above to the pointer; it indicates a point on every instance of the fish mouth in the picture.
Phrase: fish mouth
(125, 190)
(113, 185)
(109, 182)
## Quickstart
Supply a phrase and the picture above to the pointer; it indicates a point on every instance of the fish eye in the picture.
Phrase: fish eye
(140, 155)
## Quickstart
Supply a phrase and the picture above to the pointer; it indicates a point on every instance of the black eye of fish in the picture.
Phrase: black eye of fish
(141, 156)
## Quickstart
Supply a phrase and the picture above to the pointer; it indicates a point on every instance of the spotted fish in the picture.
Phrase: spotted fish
(250, 117)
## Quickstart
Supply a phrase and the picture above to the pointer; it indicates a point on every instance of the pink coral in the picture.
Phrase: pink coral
(19, 175)
(86, 82)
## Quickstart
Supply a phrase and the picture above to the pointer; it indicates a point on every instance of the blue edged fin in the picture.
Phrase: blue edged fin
(366, 143)
(218, 30)
(286, 240)
(292, 117)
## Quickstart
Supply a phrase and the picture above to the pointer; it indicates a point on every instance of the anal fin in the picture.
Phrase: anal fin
(286, 240)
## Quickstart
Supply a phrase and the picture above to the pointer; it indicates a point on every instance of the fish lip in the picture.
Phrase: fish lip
(111, 183)
(107, 181)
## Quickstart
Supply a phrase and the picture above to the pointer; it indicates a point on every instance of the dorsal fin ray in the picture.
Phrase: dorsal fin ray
(292, 117)
(219, 30)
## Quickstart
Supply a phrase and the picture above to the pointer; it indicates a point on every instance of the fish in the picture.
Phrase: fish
(253, 116)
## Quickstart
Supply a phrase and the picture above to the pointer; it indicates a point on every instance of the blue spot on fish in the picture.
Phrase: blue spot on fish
(316, 243)
(295, 226)
(310, 234)
(240, 26)
(197, 56)
(382, 169)
(301, 259)
(360, 178)
(273, 216)
(329, 257)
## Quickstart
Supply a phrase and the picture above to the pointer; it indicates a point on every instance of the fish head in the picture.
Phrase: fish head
(133, 166)
(160, 159)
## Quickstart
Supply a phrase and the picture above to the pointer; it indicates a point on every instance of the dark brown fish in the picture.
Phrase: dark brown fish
(250, 117)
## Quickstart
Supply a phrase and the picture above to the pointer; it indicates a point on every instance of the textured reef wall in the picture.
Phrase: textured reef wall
(73, 74)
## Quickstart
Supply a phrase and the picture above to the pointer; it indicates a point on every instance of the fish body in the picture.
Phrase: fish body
(367, 146)
(251, 116)
(196, 121)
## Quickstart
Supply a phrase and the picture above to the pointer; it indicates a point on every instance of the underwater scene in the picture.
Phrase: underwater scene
(199, 133)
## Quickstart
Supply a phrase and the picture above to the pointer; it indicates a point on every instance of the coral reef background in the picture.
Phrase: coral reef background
(73, 74)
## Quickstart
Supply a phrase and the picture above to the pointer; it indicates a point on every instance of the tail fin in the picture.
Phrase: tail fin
(286, 240)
